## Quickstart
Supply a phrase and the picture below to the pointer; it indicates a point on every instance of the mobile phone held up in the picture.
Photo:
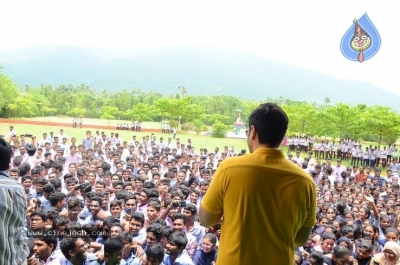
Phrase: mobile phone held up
(180, 204)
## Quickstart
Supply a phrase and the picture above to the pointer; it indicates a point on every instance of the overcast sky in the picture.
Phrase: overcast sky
(302, 33)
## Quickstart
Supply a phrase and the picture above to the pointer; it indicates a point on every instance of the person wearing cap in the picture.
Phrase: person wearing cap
(251, 201)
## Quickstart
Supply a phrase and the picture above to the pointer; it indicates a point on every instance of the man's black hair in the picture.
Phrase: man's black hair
(113, 245)
(5, 155)
(67, 244)
(31, 149)
(138, 216)
(155, 251)
(179, 239)
(270, 122)
(47, 236)
(49, 188)
(157, 230)
(56, 183)
(24, 169)
(56, 197)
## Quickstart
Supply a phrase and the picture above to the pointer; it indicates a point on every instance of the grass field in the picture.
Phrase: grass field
(199, 141)
(112, 123)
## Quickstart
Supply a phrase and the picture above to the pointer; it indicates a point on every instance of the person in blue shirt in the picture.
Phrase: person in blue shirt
(208, 252)
(74, 250)
(175, 250)
(155, 254)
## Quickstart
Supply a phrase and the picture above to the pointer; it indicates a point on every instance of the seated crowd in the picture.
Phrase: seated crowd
(107, 201)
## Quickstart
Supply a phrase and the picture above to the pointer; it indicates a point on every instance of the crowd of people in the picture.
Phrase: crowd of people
(103, 199)
(358, 207)
(345, 149)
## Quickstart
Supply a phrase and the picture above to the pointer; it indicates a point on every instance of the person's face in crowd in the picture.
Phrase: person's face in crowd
(129, 189)
(94, 207)
(178, 225)
(92, 168)
(126, 175)
(150, 238)
(152, 213)
(367, 192)
(118, 188)
(91, 177)
(73, 212)
(42, 250)
(146, 168)
(188, 214)
(119, 166)
(27, 184)
(22, 150)
(81, 179)
(39, 188)
(194, 197)
(99, 188)
(368, 230)
(172, 249)
(139, 185)
(115, 231)
(72, 169)
(207, 245)
(327, 245)
(36, 223)
(203, 189)
(107, 179)
(324, 222)
(143, 198)
(71, 187)
(391, 236)
(180, 177)
(207, 176)
(131, 204)
(114, 179)
(14, 175)
(135, 226)
(105, 200)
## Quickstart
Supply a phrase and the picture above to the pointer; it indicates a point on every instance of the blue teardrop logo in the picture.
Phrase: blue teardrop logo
(361, 41)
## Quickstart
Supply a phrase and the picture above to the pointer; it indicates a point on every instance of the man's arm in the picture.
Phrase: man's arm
(302, 236)
(209, 219)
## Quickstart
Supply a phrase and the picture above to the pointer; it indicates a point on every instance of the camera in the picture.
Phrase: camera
(28, 135)
(367, 236)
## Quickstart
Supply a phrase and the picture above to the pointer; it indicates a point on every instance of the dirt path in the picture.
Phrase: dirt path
(61, 124)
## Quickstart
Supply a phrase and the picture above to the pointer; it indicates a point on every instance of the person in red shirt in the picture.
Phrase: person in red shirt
(361, 176)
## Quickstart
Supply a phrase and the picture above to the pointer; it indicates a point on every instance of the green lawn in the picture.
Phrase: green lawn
(199, 141)
(112, 123)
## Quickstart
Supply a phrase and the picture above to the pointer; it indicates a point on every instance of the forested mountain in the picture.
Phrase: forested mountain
(203, 71)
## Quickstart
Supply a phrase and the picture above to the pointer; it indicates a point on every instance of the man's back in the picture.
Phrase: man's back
(265, 200)
(13, 209)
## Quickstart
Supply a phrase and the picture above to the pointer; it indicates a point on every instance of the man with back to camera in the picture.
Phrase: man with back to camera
(13, 205)
(261, 195)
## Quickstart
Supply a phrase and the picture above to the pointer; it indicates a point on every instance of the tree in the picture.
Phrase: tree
(143, 112)
(198, 125)
(302, 118)
(341, 120)
(219, 130)
(76, 112)
(382, 122)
